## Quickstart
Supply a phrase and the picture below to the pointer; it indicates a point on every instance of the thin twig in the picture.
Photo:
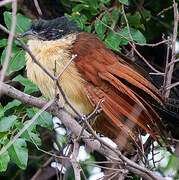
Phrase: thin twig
(3, 3)
(10, 40)
(122, 157)
(127, 24)
(66, 66)
(171, 67)
(164, 10)
(96, 111)
(38, 7)
(93, 114)
(68, 101)
(154, 44)
(172, 85)
(155, 70)
(74, 162)
(175, 61)
(107, 11)
(166, 69)
(56, 168)
(48, 153)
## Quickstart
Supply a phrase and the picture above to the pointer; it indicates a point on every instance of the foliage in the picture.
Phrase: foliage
(85, 12)
(14, 115)
(10, 124)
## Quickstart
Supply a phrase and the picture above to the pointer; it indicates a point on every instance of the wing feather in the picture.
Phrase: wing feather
(125, 108)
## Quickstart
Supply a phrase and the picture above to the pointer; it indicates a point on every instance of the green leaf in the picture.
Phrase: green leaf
(35, 137)
(80, 20)
(28, 135)
(115, 14)
(1, 111)
(44, 120)
(3, 43)
(9, 6)
(133, 20)
(23, 23)
(29, 86)
(18, 153)
(3, 136)
(111, 21)
(124, 2)
(93, 3)
(12, 104)
(100, 29)
(79, 7)
(136, 35)
(4, 160)
(17, 60)
(113, 41)
(87, 29)
(6, 123)
(146, 15)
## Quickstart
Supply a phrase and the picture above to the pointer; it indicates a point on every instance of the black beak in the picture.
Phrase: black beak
(28, 34)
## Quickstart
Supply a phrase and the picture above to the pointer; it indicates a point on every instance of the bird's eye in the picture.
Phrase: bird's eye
(50, 36)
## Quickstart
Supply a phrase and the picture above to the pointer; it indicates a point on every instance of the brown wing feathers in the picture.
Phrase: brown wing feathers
(100, 67)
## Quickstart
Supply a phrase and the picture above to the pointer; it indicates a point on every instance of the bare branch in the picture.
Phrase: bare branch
(171, 67)
(128, 28)
(166, 69)
(74, 162)
(175, 61)
(38, 7)
(75, 128)
(153, 45)
(66, 66)
(164, 10)
(172, 85)
(3, 3)
(10, 40)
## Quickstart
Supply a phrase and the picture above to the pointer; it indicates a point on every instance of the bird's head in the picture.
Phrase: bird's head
(47, 30)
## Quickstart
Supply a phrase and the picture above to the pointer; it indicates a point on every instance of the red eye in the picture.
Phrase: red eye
(50, 36)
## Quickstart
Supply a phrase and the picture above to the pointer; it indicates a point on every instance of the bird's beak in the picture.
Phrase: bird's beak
(28, 34)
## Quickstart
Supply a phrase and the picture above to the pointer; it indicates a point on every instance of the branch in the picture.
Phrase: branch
(3, 3)
(74, 162)
(10, 40)
(38, 7)
(75, 128)
(171, 67)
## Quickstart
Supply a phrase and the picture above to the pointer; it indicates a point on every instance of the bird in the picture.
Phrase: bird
(130, 101)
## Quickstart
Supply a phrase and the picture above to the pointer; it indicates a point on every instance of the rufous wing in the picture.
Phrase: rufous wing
(109, 79)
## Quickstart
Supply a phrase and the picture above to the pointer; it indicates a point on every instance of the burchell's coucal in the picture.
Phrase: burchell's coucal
(97, 73)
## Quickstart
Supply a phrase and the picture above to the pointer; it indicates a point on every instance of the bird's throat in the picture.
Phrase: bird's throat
(49, 53)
